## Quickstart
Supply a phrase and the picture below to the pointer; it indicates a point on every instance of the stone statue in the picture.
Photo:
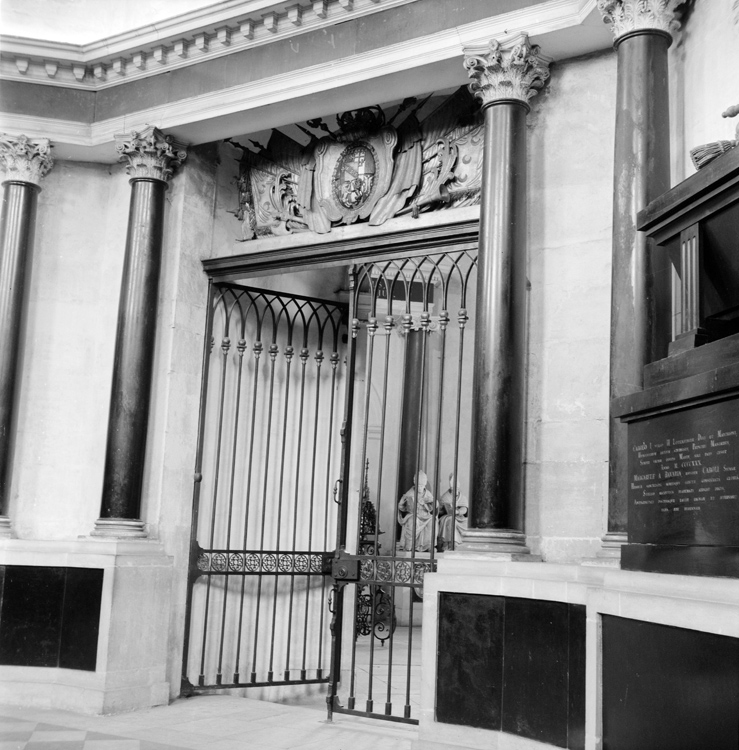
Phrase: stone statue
(452, 517)
(417, 506)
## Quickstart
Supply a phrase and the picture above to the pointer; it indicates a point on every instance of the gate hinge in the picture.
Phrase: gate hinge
(345, 567)
(195, 551)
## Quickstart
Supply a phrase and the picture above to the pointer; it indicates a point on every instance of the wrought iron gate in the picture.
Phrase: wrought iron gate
(403, 484)
(264, 517)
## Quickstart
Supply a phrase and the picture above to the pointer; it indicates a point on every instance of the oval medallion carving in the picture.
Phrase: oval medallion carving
(354, 176)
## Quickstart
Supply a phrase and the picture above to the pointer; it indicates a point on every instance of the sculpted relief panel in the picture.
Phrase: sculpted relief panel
(367, 169)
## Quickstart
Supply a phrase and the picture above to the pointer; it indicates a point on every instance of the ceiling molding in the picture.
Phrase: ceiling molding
(564, 28)
(191, 38)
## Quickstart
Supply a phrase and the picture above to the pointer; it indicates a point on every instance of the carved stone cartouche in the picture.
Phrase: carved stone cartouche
(367, 169)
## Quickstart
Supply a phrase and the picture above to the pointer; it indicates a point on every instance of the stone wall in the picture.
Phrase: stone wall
(72, 289)
(570, 187)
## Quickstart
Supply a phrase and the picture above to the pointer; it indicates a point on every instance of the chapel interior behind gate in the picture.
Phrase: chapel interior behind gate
(380, 353)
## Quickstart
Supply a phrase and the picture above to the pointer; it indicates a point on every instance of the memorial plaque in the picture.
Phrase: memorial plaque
(684, 477)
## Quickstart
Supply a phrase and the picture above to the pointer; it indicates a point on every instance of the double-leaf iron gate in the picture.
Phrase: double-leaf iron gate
(311, 537)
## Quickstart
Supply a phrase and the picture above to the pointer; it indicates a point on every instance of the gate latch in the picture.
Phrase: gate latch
(345, 567)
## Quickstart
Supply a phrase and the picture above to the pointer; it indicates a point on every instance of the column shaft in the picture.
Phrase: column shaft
(640, 297)
(496, 500)
(16, 241)
(134, 352)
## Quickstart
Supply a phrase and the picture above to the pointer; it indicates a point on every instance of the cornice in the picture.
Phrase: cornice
(549, 18)
(205, 34)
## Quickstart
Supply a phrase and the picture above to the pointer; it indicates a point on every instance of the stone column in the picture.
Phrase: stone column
(504, 80)
(151, 159)
(25, 162)
(640, 282)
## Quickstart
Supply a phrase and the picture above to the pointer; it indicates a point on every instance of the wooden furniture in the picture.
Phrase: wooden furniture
(683, 427)
(697, 223)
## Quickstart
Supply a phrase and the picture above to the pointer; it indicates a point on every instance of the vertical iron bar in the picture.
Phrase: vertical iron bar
(273, 351)
(334, 365)
(240, 346)
(462, 319)
(289, 351)
(319, 361)
(257, 349)
(304, 353)
(225, 346)
(192, 574)
(346, 432)
(443, 321)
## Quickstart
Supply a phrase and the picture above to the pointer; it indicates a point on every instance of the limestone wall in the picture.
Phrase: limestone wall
(570, 187)
(72, 287)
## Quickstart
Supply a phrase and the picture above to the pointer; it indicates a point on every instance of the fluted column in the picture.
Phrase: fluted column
(151, 159)
(640, 282)
(504, 79)
(25, 162)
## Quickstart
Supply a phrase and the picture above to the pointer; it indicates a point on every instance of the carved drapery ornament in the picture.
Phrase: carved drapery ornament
(367, 169)
(515, 72)
(150, 153)
(626, 16)
(25, 159)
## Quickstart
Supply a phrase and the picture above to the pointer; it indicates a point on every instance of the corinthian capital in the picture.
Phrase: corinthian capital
(25, 159)
(515, 72)
(626, 16)
(150, 153)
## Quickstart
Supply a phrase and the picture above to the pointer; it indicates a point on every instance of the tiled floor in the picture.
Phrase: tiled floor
(209, 722)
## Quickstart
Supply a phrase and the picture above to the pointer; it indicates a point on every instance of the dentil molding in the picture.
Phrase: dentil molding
(150, 153)
(515, 72)
(25, 159)
(626, 16)
(221, 29)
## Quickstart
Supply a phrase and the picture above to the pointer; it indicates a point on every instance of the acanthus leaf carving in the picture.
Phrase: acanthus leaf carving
(626, 16)
(150, 153)
(25, 159)
(512, 72)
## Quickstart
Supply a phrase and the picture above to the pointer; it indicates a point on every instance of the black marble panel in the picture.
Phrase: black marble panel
(666, 687)
(31, 616)
(49, 617)
(576, 675)
(81, 619)
(535, 684)
(470, 660)
(516, 665)
(684, 477)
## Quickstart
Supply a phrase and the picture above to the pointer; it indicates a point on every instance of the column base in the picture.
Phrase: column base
(503, 544)
(609, 555)
(6, 530)
(119, 528)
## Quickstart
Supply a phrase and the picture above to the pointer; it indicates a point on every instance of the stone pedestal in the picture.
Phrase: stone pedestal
(133, 641)
(691, 606)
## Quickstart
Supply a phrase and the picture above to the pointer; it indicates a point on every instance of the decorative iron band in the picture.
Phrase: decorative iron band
(394, 570)
(225, 562)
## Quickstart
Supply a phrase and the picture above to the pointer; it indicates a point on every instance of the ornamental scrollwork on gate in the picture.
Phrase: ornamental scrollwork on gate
(254, 563)
(427, 156)
(395, 571)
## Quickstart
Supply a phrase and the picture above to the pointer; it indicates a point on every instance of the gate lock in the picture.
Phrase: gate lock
(345, 567)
